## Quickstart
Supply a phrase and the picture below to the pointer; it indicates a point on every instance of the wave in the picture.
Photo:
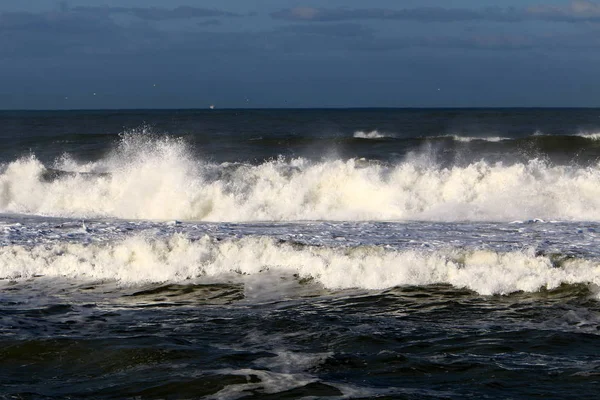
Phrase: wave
(591, 136)
(371, 135)
(541, 137)
(537, 137)
(139, 260)
(159, 179)
(467, 139)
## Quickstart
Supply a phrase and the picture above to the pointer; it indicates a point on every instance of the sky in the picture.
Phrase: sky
(115, 54)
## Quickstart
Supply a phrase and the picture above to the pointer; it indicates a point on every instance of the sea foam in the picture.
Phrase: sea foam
(467, 139)
(140, 259)
(592, 136)
(370, 135)
(159, 179)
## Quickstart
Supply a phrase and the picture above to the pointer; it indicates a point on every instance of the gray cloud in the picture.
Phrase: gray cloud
(210, 22)
(473, 42)
(331, 30)
(81, 32)
(578, 10)
(159, 14)
(56, 22)
(491, 42)
(423, 14)
(58, 34)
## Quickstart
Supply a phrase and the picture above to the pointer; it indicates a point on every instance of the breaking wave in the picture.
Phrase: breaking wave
(591, 136)
(467, 139)
(148, 178)
(139, 259)
(371, 135)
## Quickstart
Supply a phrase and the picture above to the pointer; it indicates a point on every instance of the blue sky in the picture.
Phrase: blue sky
(300, 53)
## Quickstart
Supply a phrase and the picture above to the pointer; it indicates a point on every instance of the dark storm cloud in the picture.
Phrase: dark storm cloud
(332, 30)
(471, 42)
(159, 14)
(56, 22)
(573, 12)
(576, 11)
(90, 31)
(93, 31)
(211, 22)
(424, 14)
(52, 34)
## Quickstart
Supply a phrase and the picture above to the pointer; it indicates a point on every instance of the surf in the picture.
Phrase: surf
(160, 179)
(141, 259)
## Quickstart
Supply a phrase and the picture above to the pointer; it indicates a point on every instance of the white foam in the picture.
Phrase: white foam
(592, 136)
(370, 135)
(139, 260)
(586, 135)
(466, 139)
(269, 383)
(158, 179)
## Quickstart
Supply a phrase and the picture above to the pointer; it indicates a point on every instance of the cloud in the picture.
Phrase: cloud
(158, 14)
(94, 31)
(81, 31)
(57, 22)
(56, 34)
(423, 14)
(331, 30)
(578, 10)
(473, 42)
(490, 42)
(210, 22)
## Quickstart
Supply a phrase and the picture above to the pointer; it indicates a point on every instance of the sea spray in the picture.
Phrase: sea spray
(150, 178)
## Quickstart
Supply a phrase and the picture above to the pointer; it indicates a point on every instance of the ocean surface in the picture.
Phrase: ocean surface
(283, 254)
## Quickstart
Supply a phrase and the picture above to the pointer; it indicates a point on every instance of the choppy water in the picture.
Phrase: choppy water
(300, 253)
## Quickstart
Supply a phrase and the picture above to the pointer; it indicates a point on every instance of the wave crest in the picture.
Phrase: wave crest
(138, 260)
(150, 178)
(370, 135)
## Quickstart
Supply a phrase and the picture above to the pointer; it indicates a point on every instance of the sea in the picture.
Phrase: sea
(300, 254)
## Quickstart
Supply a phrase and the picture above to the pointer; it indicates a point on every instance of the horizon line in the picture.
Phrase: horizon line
(207, 109)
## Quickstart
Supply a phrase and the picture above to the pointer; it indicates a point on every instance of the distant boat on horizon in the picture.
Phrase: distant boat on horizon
(212, 107)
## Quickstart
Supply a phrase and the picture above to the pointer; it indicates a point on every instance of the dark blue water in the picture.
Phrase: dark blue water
(364, 253)
(258, 135)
